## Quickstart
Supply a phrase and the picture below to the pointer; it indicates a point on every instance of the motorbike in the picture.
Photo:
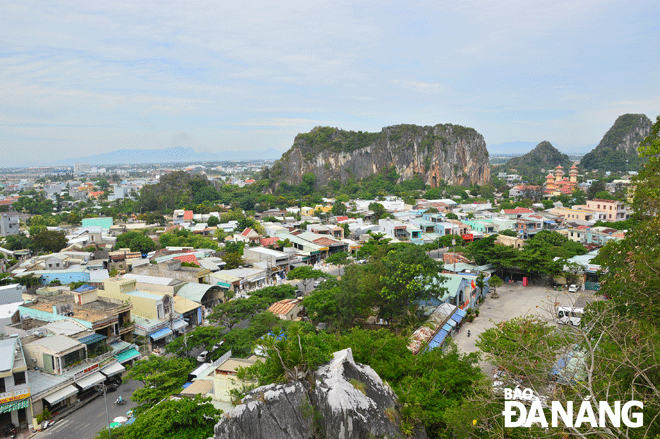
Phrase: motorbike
(120, 401)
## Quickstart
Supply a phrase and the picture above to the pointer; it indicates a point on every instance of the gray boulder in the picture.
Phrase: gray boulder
(348, 401)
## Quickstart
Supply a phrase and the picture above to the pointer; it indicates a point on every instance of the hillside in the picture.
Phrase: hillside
(450, 153)
(538, 161)
(617, 151)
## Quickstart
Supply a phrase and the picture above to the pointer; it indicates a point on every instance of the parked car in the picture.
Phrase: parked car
(573, 288)
(317, 283)
(203, 356)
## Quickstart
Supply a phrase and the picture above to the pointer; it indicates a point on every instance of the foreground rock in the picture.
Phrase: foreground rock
(348, 401)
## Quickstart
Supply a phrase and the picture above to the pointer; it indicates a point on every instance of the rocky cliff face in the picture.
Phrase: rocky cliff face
(450, 153)
(618, 148)
(348, 401)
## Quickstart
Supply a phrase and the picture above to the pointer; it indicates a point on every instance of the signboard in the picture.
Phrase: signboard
(85, 371)
(15, 398)
(468, 237)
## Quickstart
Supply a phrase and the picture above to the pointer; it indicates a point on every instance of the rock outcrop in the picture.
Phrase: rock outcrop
(542, 158)
(449, 153)
(617, 151)
(348, 401)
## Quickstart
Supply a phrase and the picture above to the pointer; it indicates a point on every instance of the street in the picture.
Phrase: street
(89, 419)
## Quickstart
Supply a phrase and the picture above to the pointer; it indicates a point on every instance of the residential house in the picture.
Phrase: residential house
(106, 317)
(400, 231)
(248, 236)
(9, 223)
(574, 214)
(511, 241)
(225, 377)
(287, 309)
(615, 210)
(15, 406)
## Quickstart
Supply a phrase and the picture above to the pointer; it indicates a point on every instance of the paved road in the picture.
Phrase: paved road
(515, 301)
(89, 419)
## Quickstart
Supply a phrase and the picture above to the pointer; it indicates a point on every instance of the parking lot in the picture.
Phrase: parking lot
(515, 301)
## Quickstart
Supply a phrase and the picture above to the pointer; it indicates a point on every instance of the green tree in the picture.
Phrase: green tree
(378, 210)
(213, 221)
(306, 275)
(339, 258)
(408, 275)
(235, 311)
(339, 208)
(519, 338)
(154, 218)
(16, 242)
(180, 418)
(232, 260)
(136, 241)
(161, 376)
(202, 336)
(48, 241)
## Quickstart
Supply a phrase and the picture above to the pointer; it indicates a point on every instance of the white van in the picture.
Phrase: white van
(569, 316)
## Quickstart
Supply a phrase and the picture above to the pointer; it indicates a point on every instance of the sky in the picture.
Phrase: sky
(79, 78)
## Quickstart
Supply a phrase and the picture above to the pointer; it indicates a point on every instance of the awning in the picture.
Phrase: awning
(179, 325)
(92, 338)
(456, 317)
(113, 369)
(438, 339)
(451, 323)
(447, 327)
(223, 284)
(14, 405)
(91, 380)
(128, 355)
(61, 394)
(160, 334)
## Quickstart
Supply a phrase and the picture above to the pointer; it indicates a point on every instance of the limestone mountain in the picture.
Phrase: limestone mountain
(450, 153)
(617, 151)
(539, 160)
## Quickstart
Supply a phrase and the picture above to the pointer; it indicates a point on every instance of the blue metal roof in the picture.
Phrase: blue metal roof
(447, 327)
(92, 338)
(438, 339)
(457, 317)
(161, 334)
(84, 288)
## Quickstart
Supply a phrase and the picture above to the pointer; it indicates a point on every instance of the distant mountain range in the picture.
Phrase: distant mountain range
(177, 154)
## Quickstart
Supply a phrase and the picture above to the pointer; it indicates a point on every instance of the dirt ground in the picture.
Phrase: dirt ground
(514, 301)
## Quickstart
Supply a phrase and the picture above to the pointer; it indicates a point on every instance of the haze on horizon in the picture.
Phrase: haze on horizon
(79, 78)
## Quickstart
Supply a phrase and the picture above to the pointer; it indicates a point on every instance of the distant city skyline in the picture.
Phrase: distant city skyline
(80, 79)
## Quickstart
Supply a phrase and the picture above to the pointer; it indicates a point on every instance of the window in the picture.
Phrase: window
(19, 378)
(2, 385)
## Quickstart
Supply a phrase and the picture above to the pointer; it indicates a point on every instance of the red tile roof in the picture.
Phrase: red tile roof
(187, 215)
(187, 258)
(518, 210)
(283, 307)
(326, 242)
(246, 232)
(342, 218)
(265, 242)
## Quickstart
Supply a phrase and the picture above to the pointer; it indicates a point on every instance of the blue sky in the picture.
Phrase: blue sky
(81, 78)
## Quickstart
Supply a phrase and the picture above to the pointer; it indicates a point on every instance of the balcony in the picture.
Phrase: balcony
(123, 329)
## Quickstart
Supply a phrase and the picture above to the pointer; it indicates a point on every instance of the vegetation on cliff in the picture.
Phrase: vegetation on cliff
(543, 157)
(617, 151)
(394, 143)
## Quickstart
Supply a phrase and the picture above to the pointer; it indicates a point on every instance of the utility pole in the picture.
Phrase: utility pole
(453, 246)
(107, 414)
